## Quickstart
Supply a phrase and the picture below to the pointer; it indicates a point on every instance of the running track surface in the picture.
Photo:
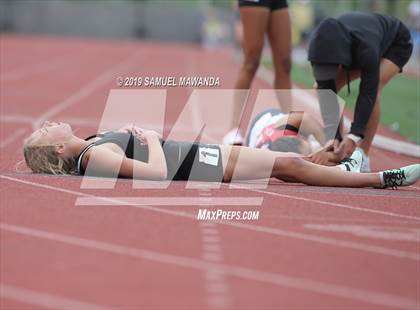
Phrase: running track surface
(320, 248)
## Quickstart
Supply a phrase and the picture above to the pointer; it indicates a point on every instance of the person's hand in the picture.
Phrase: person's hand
(345, 149)
(320, 157)
(126, 128)
(135, 131)
(331, 145)
(151, 133)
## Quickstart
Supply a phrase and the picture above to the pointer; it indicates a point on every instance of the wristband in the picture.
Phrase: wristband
(354, 138)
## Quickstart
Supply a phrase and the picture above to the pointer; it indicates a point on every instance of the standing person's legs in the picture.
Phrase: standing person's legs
(279, 34)
(254, 21)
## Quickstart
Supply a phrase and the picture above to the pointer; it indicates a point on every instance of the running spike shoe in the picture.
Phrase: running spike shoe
(404, 176)
(353, 163)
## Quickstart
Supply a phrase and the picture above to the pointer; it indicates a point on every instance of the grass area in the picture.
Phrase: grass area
(400, 100)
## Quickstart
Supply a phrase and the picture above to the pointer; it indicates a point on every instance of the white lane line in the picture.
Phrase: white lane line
(216, 285)
(359, 192)
(305, 284)
(215, 239)
(44, 300)
(11, 138)
(251, 227)
(371, 231)
(172, 201)
(332, 204)
(105, 77)
(327, 241)
(212, 257)
(347, 220)
(217, 288)
(209, 230)
(15, 119)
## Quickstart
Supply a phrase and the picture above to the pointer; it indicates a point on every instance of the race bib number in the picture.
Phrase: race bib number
(208, 156)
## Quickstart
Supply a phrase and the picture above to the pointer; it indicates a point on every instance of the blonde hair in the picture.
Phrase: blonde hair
(44, 159)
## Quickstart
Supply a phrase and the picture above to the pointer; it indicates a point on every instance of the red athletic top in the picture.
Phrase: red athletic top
(270, 134)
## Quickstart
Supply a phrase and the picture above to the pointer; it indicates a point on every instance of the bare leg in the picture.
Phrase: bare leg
(371, 126)
(254, 21)
(279, 34)
(262, 163)
(312, 174)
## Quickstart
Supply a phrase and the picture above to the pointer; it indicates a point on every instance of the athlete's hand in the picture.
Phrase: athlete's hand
(126, 128)
(152, 133)
(135, 131)
(345, 148)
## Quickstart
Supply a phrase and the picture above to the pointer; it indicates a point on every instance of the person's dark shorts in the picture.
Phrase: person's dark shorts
(202, 162)
(402, 47)
(270, 4)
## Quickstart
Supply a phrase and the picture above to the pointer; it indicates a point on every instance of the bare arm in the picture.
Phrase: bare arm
(156, 156)
(105, 162)
(305, 123)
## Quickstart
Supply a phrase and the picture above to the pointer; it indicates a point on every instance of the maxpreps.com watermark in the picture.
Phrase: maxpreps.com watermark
(219, 214)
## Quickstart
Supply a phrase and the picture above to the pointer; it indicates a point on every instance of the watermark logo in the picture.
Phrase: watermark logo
(227, 215)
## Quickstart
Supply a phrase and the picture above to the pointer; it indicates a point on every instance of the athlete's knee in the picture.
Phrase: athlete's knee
(251, 64)
(288, 166)
(283, 67)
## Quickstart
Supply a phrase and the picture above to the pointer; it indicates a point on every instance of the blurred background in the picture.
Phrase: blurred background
(216, 24)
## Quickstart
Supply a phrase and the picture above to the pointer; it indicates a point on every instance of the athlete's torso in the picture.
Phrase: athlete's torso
(180, 156)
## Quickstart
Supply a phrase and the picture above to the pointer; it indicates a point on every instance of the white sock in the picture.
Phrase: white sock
(381, 177)
(342, 167)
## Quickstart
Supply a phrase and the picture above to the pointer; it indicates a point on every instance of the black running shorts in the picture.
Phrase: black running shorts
(402, 47)
(270, 4)
(199, 162)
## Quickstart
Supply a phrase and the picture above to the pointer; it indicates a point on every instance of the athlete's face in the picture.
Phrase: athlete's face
(52, 133)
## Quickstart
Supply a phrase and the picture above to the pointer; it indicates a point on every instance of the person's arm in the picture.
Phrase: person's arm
(364, 107)
(365, 101)
(104, 162)
(330, 112)
(330, 109)
(306, 124)
(156, 155)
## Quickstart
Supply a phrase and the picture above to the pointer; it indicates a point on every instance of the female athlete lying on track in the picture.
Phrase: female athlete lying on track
(136, 153)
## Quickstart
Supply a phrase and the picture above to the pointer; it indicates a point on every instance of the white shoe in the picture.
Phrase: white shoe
(365, 161)
(233, 137)
(404, 176)
(353, 163)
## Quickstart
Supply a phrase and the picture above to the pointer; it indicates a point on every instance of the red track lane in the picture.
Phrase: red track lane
(324, 248)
